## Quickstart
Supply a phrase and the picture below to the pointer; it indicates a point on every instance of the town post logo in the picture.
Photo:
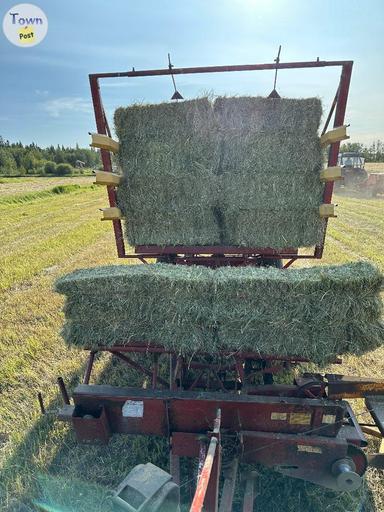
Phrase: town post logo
(25, 25)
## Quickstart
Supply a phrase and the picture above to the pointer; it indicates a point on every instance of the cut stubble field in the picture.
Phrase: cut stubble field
(19, 185)
(46, 237)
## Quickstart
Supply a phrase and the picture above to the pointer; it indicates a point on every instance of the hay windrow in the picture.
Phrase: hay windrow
(319, 312)
(239, 171)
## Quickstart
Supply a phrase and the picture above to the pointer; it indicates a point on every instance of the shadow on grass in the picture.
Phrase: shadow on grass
(78, 476)
(21, 466)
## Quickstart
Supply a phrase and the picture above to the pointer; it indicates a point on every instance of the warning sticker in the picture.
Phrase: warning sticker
(282, 416)
(133, 409)
(300, 418)
(329, 418)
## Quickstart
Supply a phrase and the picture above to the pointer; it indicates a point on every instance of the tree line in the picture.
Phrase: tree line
(17, 159)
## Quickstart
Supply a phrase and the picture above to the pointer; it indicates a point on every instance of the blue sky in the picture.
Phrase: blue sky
(45, 94)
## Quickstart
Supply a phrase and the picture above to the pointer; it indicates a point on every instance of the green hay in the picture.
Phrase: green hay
(270, 168)
(167, 152)
(239, 171)
(318, 312)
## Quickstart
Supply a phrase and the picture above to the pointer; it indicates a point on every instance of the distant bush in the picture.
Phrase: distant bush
(64, 170)
(50, 167)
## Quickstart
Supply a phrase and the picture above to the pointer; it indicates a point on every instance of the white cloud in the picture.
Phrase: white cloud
(41, 92)
(58, 106)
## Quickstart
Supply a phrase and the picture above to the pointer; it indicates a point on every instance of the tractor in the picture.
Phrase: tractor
(356, 179)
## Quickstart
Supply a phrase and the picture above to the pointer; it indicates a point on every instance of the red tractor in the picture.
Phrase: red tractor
(356, 178)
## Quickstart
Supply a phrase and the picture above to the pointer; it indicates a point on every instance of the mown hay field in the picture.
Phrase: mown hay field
(21, 185)
(45, 237)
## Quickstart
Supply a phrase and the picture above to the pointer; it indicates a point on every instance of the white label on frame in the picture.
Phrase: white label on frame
(133, 409)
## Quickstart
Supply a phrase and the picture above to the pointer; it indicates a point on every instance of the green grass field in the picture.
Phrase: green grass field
(44, 237)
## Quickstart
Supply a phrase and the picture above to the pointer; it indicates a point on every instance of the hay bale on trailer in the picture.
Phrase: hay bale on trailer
(165, 304)
(167, 153)
(239, 171)
(271, 160)
(318, 313)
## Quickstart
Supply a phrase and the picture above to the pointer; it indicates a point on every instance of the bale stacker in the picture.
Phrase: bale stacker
(227, 409)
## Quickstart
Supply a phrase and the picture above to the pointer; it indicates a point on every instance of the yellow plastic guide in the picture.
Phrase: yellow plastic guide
(335, 135)
(104, 142)
(327, 210)
(107, 178)
(112, 213)
(331, 174)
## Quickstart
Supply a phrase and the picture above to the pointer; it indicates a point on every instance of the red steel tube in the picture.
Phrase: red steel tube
(102, 127)
(146, 348)
(343, 91)
(204, 476)
(88, 370)
(220, 69)
(202, 484)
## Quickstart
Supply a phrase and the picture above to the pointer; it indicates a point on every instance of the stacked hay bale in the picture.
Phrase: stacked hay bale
(270, 167)
(152, 303)
(167, 154)
(241, 171)
(317, 313)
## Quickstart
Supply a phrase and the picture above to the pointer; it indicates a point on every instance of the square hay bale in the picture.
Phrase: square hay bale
(167, 154)
(240, 171)
(156, 303)
(318, 313)
(270, 167)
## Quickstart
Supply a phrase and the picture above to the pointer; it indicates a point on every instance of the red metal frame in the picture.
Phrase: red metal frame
(228, 255)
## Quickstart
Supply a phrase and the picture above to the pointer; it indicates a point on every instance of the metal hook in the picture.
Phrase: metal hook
(176, 95)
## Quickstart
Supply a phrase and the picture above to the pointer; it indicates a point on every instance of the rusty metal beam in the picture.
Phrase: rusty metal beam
(343, 386)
